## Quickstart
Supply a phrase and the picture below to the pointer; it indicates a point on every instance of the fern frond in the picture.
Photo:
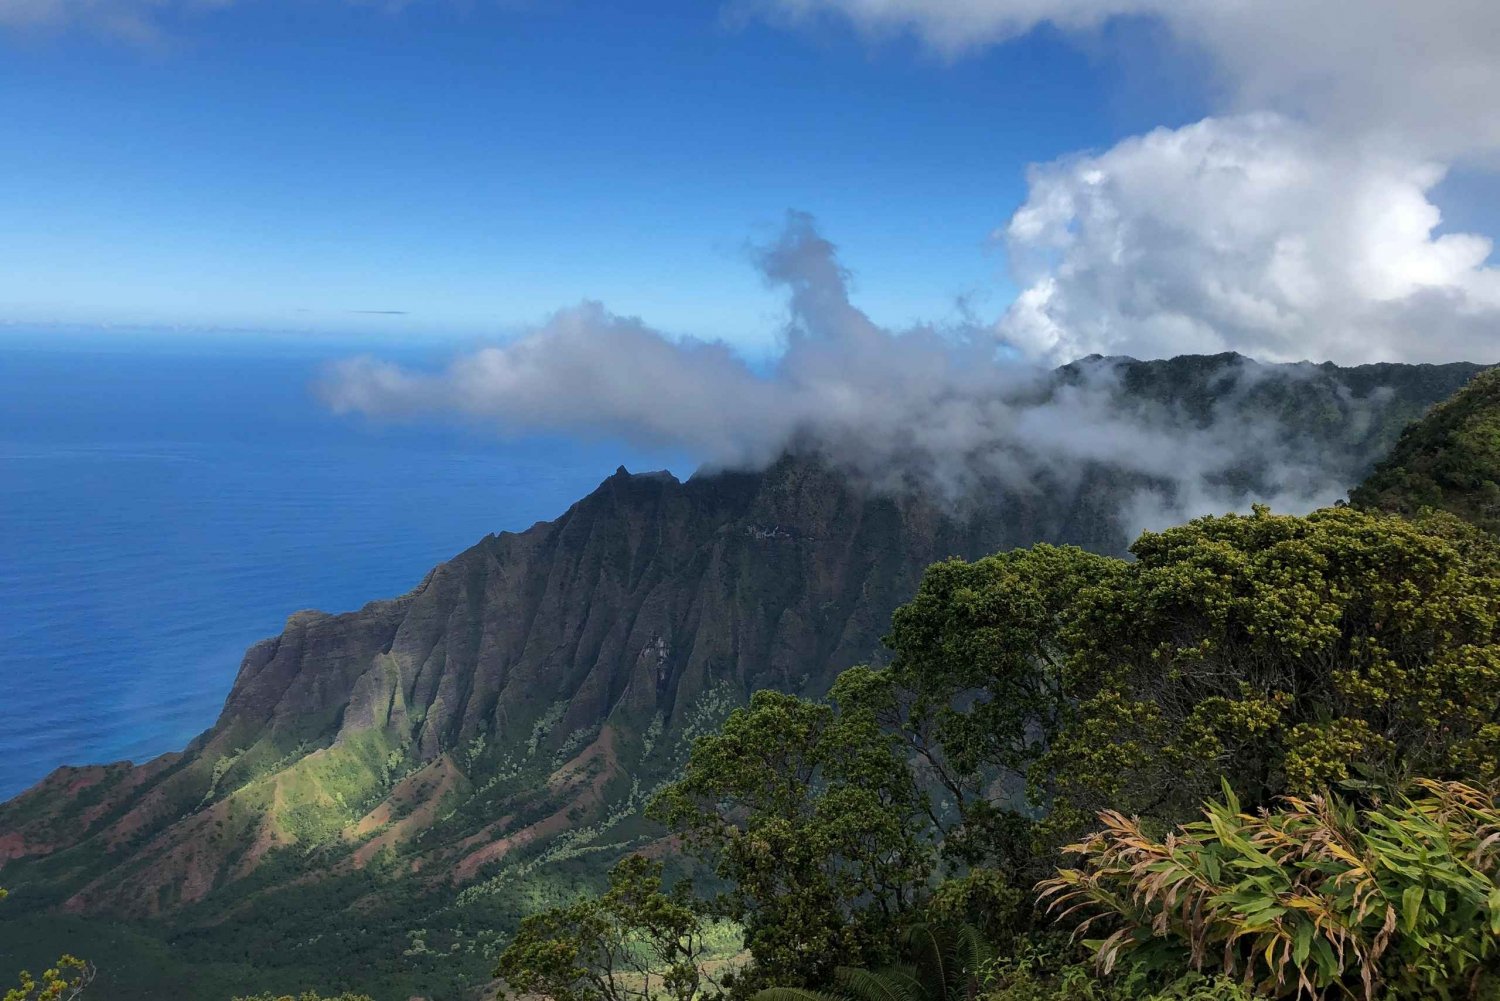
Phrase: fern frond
(863, 985)
(926, 949)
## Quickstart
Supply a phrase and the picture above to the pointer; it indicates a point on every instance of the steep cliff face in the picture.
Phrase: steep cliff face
(512, 714)
(646, 601)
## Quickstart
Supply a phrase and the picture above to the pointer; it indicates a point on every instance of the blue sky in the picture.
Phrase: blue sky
(286, 165)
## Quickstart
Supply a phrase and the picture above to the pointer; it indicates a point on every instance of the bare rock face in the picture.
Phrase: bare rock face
(517, 708)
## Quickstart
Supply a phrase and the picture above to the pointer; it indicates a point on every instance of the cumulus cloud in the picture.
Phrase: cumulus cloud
(1253, 233)
(1298, 223)
(939, 408)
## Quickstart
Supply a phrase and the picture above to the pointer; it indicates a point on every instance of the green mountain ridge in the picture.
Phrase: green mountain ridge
(1448, 462)
(387, 790)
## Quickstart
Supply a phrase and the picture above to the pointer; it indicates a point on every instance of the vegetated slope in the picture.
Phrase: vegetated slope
(1449, 461)
(387, 790)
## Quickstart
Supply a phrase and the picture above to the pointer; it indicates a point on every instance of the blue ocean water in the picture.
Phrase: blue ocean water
(163, 506)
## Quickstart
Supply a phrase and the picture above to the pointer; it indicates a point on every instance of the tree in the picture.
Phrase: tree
(67, 980)
(812, 816)
(635, 943)
(1314, 898)
(975, 689)
(1031, 689)
(1285, 653)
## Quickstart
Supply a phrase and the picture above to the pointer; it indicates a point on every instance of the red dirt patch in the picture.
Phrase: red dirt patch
(574, 780)
(420, 794)
(14, 846)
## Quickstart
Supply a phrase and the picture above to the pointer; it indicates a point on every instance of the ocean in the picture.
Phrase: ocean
(167, 501)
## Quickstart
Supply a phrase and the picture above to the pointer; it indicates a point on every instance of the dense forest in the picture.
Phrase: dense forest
(1256, 758)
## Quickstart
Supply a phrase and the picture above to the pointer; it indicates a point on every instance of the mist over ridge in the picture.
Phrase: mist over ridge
(952, 411)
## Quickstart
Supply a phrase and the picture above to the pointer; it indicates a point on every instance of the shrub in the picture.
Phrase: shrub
(1314, 898)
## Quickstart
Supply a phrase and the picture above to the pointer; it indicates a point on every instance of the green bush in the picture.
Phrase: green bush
(1080, 983)
(1314, 898)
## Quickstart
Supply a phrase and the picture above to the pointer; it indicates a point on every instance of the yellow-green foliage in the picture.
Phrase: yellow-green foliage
(310, 798)
(1283, 652)
(63, 982)
(1314, 898)
(327, 789)
(305, 996)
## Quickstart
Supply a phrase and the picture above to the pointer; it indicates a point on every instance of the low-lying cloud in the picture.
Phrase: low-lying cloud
(589, 371)
(949, 411)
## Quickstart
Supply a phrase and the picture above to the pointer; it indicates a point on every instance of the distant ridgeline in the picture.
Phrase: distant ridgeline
(387, 791)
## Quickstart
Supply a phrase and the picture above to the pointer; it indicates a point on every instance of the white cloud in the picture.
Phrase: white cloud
(841, 376)
(1250, 233)
(940, 408)
(1299, 223)
(584, 371)
(954, 27)
(138, 22)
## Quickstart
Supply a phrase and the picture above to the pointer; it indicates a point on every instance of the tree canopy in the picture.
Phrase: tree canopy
(635, 943)
(811, 816)
(1283, 652)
